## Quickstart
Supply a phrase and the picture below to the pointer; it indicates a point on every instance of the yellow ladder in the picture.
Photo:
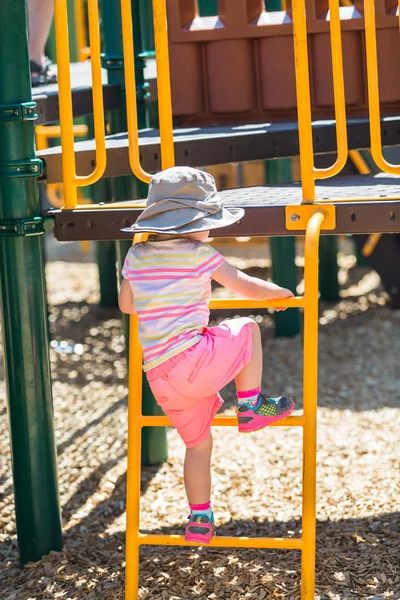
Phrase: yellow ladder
(134, 539)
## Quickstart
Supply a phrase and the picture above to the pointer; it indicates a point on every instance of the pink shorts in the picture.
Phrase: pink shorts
(187, 385)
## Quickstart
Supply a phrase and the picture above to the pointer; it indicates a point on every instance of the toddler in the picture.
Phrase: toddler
(167, 282)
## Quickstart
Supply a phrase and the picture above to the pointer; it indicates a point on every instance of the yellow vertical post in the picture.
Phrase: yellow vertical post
(133, 468)
(310, 404)
(65, 101)
(163, 83)
(303, 100)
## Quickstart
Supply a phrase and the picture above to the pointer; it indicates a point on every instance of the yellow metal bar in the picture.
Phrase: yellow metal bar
(97, 94)
(303, 100)
(133, 468)
(310, 372)
(223, 542)
(371, 244)
(373, 91)
(45, 132)
(338, 94)
(163, 88)
(221, 303)
(163, 84)
(359, 162)
(70, 179)
(80, 29)
(130, 85)
(220, 421)
(65, 102)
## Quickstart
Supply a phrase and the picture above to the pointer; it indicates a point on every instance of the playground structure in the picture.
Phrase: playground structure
(341, 208)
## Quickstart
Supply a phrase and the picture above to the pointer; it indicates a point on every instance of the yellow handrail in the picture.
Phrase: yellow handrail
(70, 179)
(130, 87)
(303, 100)
(163, 88)
(338, 95)
(373, 92)
(163, 84)
(308, 171)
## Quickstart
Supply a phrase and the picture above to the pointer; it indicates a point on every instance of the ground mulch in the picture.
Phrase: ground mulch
(256, 478)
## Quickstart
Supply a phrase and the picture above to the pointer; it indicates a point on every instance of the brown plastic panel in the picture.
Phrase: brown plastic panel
(254, 8)
(245, 61)
(278, 85)
(187, 94)
(388, 44)
(322, 69)
(230, 76)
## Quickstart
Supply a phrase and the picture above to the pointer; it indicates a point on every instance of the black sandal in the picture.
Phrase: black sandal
(42, 74)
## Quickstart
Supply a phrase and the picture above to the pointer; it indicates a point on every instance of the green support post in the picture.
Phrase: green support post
(208, 8)
(23, 302)
(105, 251)
(283, 249)
(106, 254)
(154, 439)
(328, 268)
(283, 254)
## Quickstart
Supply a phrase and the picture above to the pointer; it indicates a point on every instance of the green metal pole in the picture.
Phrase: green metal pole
(328, 268)
(23, 302)
(106, 254)
(283, 254)
(208, 8)
(154, 439)
(283, 250)
(105, 251)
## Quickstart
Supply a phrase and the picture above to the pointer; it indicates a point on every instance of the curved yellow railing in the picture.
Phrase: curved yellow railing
(163, 88)
(70, 179)
(373, 92)
(338, 94)
(308, 172)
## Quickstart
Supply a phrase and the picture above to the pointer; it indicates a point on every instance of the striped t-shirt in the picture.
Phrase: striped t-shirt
(171, 286)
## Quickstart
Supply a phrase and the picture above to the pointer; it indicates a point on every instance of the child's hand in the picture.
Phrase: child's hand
(283, 293)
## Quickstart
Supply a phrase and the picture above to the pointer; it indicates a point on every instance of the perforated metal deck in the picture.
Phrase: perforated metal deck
(265, 210)
(202, 146)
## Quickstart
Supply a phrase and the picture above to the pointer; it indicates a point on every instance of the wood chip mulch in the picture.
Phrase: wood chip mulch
(256, 479)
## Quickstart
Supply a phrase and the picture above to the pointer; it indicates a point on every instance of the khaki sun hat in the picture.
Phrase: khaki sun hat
(183, 200)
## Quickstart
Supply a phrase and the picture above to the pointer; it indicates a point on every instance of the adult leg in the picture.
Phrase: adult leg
(40, 17)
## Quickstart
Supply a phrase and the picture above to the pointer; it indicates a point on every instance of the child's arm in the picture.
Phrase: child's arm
(125, 298)
(250, 287)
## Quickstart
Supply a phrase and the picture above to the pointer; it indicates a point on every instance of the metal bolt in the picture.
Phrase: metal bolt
(294, 218)
(35, 168)
(16, 112)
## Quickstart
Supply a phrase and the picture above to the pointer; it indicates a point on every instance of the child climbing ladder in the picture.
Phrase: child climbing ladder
(167, 283)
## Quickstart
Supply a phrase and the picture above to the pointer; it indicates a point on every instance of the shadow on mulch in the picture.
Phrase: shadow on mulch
(356, 558)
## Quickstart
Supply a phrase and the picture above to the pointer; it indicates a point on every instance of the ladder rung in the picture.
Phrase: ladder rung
(220, 421)
(223, 542)
(222, 303)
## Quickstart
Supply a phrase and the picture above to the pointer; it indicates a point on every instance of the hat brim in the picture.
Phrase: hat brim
(222, 218)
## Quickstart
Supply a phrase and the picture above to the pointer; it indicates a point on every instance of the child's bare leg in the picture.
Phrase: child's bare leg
(197, 472)
(249, 377)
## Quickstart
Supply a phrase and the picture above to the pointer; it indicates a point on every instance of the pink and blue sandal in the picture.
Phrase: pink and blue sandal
(200, 529)
(265, 412)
